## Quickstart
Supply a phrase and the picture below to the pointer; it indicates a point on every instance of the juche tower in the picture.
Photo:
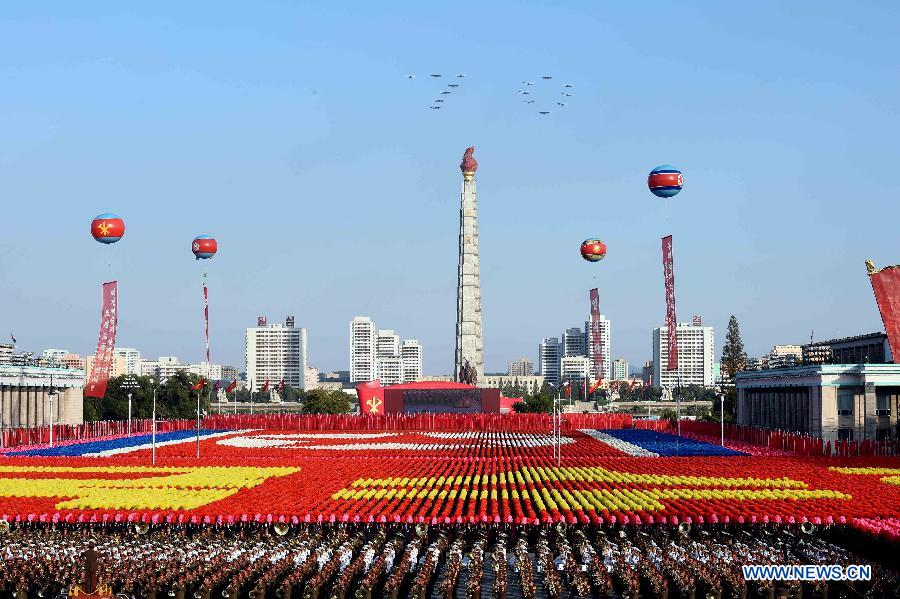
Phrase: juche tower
(469, 339)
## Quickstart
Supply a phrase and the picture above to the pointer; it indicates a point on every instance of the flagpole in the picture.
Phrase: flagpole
(198, 422)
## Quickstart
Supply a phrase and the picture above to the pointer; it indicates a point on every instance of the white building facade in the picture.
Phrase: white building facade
(549, 355)
(520, 367)
(275, 352)
(620, 370)
(362, 350)
(411, 358)
(575, 368)
(132, 359)
(696, 354)
(605, 347)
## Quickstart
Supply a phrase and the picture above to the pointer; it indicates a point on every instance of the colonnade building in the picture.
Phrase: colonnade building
(831, 401)
(24, 400)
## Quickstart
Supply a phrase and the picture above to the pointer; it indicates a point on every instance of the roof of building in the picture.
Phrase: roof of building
(847, 339)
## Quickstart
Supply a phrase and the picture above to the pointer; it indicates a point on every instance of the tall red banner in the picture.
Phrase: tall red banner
(596, 334)
(106, 343)
(671, 322)
(886, 285)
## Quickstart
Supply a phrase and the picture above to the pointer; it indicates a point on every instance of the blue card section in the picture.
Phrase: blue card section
(87, 447)
(666, 444)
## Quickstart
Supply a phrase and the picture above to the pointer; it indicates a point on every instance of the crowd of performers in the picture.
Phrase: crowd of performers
(325, 562)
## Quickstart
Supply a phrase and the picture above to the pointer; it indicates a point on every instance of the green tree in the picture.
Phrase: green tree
(323, 401)
(539, 403)
(734, 359)
(174, 399)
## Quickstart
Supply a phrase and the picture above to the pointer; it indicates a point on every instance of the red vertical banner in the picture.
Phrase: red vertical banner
(671, 322)
(596, 334)
(106, 342)
(206, 319)
(886, 285)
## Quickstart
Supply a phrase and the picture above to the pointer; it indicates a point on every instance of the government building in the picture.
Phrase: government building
(25, 396)
(826, 398)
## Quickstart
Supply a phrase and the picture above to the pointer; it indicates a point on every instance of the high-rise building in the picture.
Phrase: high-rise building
(696, 351)
(362, 350)
(275, 352)
(575, 343)
(229, 373)
(620, 370)
(469, 336)
(520, 367)
(549, 355)
(389, 370)
(53, 356)
(387, 344)
(605, 347)
(132, 359)
(411, 357)
(574, 368)
(647, 373)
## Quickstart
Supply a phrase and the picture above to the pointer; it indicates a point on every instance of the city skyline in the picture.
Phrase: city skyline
(257, 138)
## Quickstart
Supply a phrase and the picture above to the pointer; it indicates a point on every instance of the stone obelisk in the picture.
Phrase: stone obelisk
(469, 339)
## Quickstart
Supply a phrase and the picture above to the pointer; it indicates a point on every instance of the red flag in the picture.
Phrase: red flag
(568, 390)
(280, 386)
(265, 387)
(671, 322)
(200, 384)
(231, 387)
(106, 342)
(886, 285)
(595, 386)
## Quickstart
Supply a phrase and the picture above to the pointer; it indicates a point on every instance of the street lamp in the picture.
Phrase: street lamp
(130, 384)
(153, 423)
(51, 393)
(722, 410)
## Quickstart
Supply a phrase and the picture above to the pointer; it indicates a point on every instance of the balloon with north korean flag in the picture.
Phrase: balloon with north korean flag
(204, 247)
(665, 181)
(107, 228)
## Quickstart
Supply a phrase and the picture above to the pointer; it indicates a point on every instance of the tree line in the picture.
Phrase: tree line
(176, 399)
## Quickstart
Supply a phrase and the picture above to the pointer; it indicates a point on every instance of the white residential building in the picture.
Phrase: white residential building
(168, 366)
(549, 355)
(605, 347)
(574, 368)
(411, 357)
(275, 352)
(312, 378)
(531, 382)
(520, 367)
(574, 342)
(132, 359)
(620, 370)
(53, 356)
(387, 344)
(389, 370)
(149, 368)
(696, 351)
(362, 350)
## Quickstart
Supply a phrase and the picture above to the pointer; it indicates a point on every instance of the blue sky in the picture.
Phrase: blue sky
(291, 134)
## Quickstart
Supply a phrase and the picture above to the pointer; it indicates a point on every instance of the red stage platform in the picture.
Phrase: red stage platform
(442, 397)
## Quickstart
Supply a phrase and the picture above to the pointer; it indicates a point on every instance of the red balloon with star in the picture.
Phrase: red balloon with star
(107, 228)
